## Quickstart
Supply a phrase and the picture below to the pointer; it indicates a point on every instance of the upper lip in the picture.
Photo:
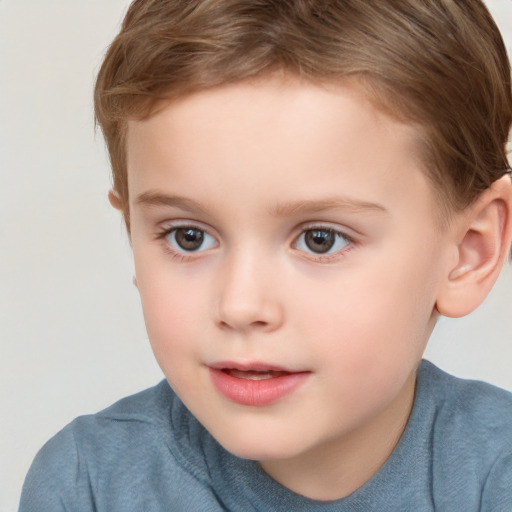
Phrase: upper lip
(251, 367)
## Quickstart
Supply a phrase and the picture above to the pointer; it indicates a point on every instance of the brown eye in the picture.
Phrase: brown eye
(321, 241)
(190, 239)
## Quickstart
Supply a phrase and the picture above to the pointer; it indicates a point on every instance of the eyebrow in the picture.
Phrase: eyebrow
(287, 209)
(333, 203)
(150, 199)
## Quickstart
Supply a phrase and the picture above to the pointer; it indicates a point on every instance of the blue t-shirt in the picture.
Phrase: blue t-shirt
(147, 453)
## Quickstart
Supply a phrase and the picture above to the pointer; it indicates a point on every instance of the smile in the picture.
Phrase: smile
(255, 386)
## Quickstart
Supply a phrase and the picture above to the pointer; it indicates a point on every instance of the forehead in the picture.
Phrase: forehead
(292, 135)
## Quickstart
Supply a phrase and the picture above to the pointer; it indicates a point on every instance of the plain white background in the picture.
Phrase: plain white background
(72, 334)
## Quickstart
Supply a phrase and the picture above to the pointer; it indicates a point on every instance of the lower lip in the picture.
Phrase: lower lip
(256, 393)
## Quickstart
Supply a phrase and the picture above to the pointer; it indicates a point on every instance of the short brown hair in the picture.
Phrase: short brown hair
(440, 64)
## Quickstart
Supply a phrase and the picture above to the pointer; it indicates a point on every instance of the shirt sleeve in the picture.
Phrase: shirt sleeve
(55, 480)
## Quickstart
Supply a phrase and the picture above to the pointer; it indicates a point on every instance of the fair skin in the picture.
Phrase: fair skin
(285, 229)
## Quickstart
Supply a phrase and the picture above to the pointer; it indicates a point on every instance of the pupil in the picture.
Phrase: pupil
(189, 239)
(319, 241)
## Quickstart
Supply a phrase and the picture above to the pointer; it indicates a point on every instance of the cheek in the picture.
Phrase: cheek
(169, 311)
(173, 331)
(369, 319)
(171, 307)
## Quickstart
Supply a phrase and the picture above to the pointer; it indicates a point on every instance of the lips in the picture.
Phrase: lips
(255, 375)
(255, 385)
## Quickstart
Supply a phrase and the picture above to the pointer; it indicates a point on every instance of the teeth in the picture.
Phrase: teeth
(254, 375)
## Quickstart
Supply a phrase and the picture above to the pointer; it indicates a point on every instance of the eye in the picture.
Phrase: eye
(189, 239)
(321, 241)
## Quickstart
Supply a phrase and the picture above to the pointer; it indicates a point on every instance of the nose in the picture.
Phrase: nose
(249, 296)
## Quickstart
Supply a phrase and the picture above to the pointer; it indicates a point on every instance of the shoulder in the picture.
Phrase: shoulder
(118, 456)
(146, 405)
(466, 407)
(150, 408)
(470, 437)
(100, 436)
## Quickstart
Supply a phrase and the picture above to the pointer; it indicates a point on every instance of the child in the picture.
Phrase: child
(307, 186)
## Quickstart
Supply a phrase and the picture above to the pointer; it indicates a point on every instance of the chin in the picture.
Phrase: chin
(258, 447)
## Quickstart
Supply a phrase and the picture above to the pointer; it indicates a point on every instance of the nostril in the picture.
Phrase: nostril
(259, 323)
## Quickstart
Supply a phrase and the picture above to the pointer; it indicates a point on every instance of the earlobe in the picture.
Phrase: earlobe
(485, 233)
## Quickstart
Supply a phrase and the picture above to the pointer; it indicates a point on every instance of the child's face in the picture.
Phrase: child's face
(288, 261)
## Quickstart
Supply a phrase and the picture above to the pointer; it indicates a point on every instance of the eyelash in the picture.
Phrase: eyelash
(162, 234)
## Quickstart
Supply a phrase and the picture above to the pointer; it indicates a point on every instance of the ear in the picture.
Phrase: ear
(114, 199)
(118, 204)
(484, 234)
